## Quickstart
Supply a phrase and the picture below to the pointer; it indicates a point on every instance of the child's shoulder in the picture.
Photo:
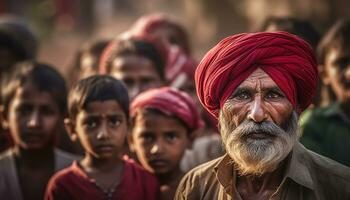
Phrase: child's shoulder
(136, 171)
(65, 175)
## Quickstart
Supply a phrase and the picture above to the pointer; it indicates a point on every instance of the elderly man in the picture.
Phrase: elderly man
(257, 84)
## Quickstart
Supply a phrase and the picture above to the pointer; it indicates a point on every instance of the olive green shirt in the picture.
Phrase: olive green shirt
(326, 131)
(307, 176)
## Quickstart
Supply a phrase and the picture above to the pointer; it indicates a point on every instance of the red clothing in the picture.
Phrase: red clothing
(73, 183)
(171, 102)
(287, 59)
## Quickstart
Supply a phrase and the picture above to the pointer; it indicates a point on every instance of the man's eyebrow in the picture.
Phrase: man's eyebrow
(273, 89)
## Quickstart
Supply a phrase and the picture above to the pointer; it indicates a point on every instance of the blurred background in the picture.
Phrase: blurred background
(63, 25)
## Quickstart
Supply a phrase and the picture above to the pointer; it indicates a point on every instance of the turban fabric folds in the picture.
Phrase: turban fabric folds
(170, 102)
(286, 58)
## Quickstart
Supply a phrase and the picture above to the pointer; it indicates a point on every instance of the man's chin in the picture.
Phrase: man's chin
(258, 159)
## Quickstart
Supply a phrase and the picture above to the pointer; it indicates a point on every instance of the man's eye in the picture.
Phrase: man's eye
(273, 95)
(242, 96)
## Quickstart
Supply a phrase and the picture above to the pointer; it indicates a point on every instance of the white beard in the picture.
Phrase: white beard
(258, 156)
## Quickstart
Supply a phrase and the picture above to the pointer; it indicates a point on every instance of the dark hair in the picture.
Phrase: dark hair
(337, 36)
(94, 48)
(154, 111)
(138, 47)
(97, 88)
(44, 77)
(301, 28)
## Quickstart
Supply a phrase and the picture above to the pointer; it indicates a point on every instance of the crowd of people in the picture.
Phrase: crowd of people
(138, 111)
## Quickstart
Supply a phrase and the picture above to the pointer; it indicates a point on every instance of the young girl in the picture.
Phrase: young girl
(34, 106)
(98, 116)
(162, 124)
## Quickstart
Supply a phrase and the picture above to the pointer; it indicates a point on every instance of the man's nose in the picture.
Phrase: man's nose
(103, 132)
(157, 148)
(34, 119)
(257, 111)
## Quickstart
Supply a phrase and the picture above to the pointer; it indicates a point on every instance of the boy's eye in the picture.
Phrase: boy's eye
(171, 136)
(90, 123)
(147, 138)
(115, 121)
(46, 110)
(24, 109)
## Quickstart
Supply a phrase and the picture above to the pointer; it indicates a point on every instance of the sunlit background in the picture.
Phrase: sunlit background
(63, 25)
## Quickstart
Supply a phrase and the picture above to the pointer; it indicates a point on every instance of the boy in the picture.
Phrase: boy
(34, 102)
(327, 130)
(98, 109)
(163, 121)
(138, 61)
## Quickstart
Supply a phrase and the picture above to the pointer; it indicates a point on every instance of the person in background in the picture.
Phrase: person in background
(163, 122)
(87, 59)
(17, 43)
(257, 84)
(137, 61)
(34, 102)
(98, 108)
(326, 130)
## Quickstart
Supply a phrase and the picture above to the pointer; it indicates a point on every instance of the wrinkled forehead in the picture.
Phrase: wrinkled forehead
(259, 79)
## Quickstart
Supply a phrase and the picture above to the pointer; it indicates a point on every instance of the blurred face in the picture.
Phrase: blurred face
(33, 118)
(337, 72)
(101, 129)
(137, 72)
(159, 142)
(88, 66)
(258, 125)
(168, 35)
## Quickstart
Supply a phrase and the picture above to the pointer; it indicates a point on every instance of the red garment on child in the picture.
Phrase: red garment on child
(73, 183)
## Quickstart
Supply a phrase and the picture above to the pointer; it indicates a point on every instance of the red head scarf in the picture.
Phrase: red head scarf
(286, 58)
(171, 102)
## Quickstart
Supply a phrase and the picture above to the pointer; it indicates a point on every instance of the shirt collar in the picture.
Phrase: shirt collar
(296, 170)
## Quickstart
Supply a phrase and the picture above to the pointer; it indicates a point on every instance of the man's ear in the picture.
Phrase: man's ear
(70, 128)
(323, 74)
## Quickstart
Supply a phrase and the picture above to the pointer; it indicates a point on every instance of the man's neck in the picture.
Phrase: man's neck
(91, 164)
(260, 186)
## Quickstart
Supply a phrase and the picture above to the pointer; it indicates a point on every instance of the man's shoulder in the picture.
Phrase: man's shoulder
(329, 168)
(205, 168)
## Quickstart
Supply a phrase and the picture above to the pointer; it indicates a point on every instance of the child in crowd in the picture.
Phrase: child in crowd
(138, 61)
(326, 130)
(34, 102)
(163, 121)
(98, 109)
(87, 59)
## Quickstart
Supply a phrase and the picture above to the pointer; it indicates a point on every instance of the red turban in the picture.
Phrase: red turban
(171, 102)
(286, 58)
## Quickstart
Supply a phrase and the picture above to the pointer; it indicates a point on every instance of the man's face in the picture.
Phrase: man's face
(258, 125)
(337, 72)
(137, 72)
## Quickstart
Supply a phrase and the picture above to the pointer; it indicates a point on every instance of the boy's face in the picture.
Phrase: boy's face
(87, 66)
(101, 128)
(33, 118)
(159, 142)
(337, 72)
(137, 72)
